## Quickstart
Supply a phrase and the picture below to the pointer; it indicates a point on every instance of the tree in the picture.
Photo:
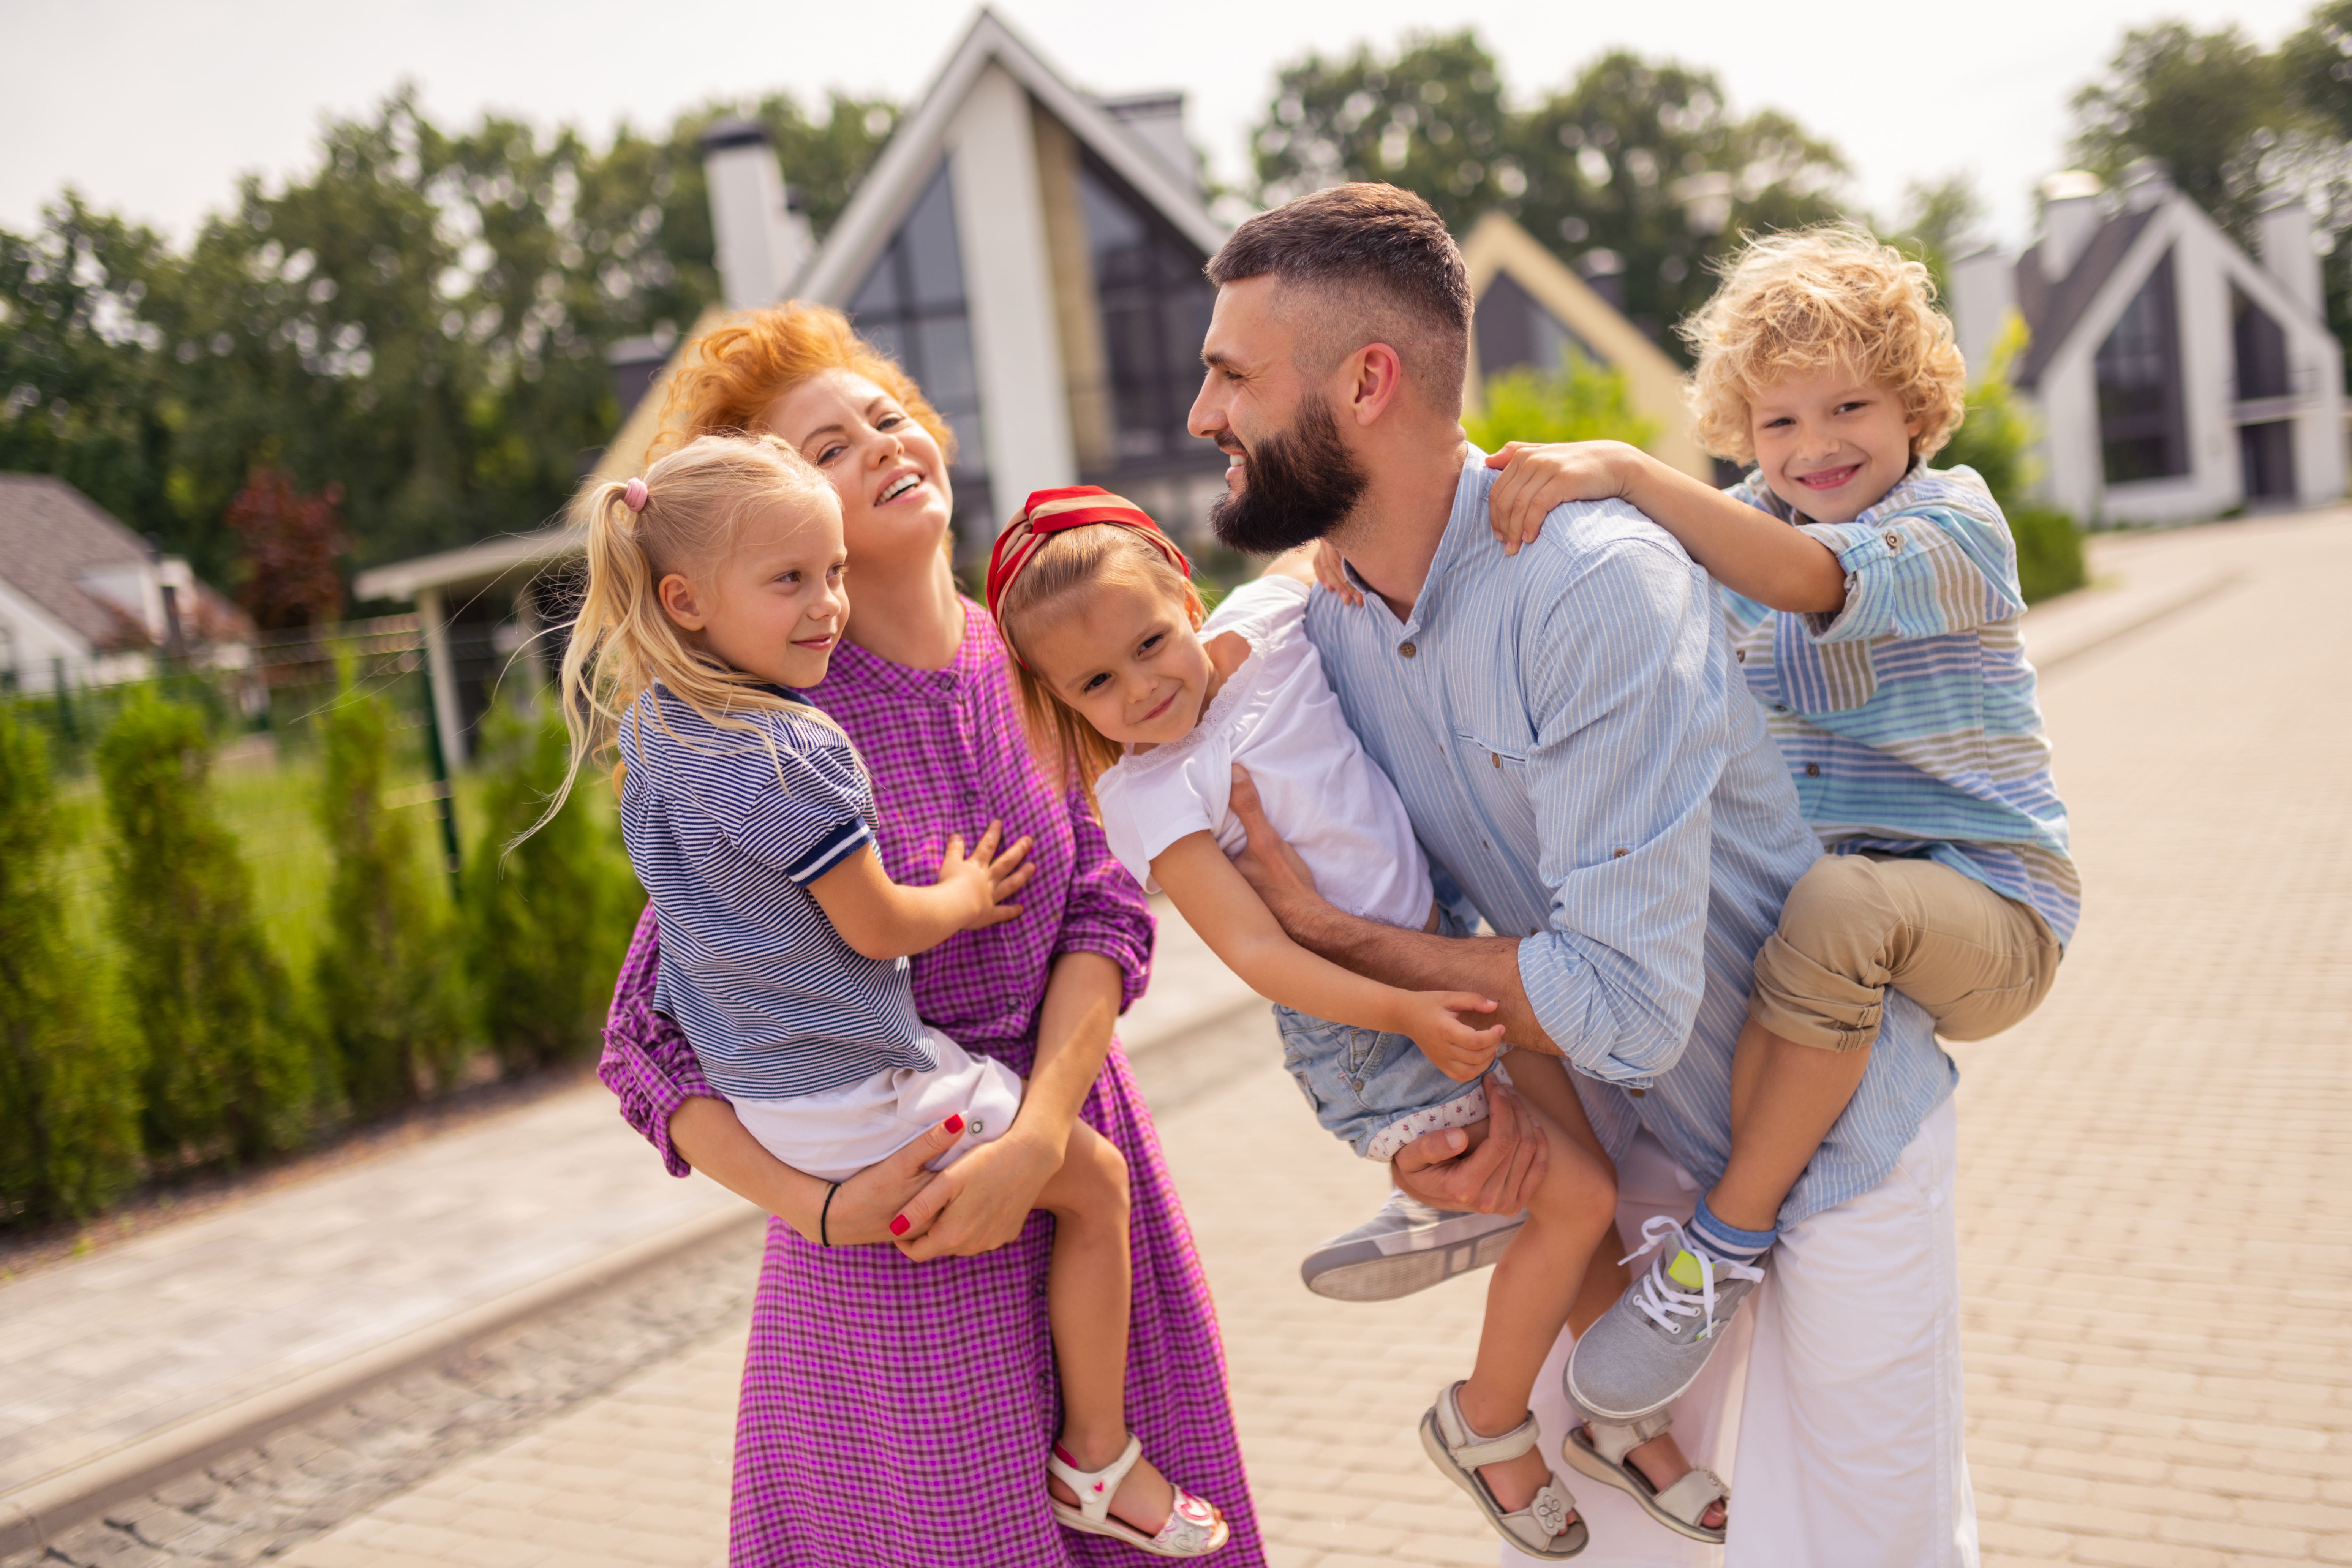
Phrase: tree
(1636, 172)
(1577, 401)
(226, 1076)
(286, 577)
(69, 1088)
(386, 971)
(421, 320)
(2207, 106)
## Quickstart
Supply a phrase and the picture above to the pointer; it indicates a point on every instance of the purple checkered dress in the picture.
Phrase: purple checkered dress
(900, 1414)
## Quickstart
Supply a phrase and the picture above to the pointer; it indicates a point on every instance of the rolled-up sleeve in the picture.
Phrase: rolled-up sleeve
(1627, 680)
(1105, 911)
(1920, 572)
(647, 1062)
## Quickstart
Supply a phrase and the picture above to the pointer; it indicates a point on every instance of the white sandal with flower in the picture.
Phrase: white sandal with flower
(1679, 1507)
(1542, 1529)
(1193, 1528)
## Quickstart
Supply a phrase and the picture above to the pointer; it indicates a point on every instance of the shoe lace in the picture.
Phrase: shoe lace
(1663, 1300)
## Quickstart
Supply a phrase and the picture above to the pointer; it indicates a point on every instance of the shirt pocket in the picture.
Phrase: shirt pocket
(1820, 677)
(1498, 776)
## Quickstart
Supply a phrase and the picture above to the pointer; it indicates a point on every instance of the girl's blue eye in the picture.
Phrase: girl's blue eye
(1093, 683)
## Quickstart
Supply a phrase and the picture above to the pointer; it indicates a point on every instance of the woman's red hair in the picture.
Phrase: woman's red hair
(733, 373)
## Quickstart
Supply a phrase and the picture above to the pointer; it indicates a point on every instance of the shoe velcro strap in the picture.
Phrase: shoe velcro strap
(1096, 1487)
(1613, 1440)
(1687, 1499)
(1469, 1449)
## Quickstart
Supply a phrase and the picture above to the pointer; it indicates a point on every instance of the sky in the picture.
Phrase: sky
(154, 107)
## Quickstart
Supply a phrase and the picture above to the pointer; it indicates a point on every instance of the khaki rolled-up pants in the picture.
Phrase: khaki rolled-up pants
(1855, 925)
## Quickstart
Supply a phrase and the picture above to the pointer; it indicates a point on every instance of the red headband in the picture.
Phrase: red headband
(1051, 511)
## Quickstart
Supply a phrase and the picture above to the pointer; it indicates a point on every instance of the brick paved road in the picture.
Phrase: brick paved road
(2155, 1194)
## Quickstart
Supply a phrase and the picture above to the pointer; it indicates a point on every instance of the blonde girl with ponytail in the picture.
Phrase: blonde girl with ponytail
(716, 595)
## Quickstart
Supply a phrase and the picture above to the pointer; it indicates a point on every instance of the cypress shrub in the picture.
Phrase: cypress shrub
(388, 973)
(70, 1091)
(226, 1072)
(2049, 551)
(548, 921)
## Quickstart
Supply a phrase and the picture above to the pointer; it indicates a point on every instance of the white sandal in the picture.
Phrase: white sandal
(1679, 1507)
(1193, 1528)
(1542, 1529)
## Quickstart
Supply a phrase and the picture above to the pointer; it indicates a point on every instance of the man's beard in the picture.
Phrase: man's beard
(1298, 486)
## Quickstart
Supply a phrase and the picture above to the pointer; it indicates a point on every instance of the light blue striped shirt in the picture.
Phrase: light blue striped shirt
(1578, 757)
(1908, 718)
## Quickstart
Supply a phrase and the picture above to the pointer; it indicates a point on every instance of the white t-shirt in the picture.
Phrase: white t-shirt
(1278, 717)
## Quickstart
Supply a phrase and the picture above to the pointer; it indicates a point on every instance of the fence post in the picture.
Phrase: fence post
(444, 737)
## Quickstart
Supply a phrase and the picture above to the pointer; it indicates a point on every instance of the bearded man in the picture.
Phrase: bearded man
(1582, 761)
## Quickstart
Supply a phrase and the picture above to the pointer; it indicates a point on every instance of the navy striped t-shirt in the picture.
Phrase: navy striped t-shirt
(774, 1002)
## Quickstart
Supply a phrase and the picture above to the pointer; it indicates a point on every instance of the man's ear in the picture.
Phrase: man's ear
(680, 602)
(1375, 381)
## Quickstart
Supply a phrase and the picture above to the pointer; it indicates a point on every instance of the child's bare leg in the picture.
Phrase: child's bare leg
(1660, 1460)
(1087, 1295)
(1528, 1300)
(1785, 1098)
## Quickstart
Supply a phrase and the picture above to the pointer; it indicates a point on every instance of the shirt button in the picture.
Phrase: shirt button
(1619, 854)
(1779, 708)
(1894, 542)
(1812, 770)
(1495, 758)
(1407, 649)
(1741, 656)
(1637, 1093)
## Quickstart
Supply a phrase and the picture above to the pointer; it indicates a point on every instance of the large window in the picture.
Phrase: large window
(2142, 432)
(911, 306)
(1513, 331)
(2261, 345)
(1155, 311)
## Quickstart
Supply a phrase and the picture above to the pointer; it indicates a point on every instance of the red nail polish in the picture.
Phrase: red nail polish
(955, 1123)
(898, 1226)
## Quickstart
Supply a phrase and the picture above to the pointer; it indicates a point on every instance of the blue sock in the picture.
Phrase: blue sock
(1727, 1242)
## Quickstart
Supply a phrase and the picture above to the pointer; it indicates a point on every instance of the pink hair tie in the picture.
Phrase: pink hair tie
(634, 492)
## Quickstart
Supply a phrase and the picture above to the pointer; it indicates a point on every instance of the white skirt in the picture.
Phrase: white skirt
(834, 1135)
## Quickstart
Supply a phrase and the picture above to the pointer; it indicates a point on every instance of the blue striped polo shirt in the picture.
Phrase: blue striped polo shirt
(1908, 718)
(725, 831)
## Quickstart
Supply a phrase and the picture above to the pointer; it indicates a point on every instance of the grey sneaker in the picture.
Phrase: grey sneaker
(1407, 1247)
(1649, 1347)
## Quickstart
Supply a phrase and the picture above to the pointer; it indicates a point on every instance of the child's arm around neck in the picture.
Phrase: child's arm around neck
(1751, 553)
(879, 918)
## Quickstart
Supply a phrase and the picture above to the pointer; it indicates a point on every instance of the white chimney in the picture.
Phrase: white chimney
(2071, 215)
(1157, 120)
(2147, 182)
(2289, 255)
(762, 242)
(1984, 292)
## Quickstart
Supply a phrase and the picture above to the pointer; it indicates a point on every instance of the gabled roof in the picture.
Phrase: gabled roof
(51, 536)
(2052, 311)
(1497, 245)
(896, 179)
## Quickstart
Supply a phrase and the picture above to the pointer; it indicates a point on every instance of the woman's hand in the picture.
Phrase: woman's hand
(1461, 1050)
(1536, 478)
(980, 1203)
(1498, 1176)
(868, 1207)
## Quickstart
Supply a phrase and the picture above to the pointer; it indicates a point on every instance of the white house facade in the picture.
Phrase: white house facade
(2175, 377)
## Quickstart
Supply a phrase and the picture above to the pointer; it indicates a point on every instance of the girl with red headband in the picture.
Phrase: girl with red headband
(714, 597)
(1156, 708)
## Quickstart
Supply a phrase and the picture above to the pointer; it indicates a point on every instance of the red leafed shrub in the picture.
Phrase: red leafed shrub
(290, 542)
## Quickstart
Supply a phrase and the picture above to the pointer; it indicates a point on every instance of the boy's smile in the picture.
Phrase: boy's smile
(1829, 443)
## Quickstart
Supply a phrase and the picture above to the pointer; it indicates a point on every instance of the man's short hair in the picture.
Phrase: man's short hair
(1363, 264)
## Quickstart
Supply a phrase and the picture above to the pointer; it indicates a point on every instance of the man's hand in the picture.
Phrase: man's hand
(980, 1203)
(1268, 862)
(1497, 1177)
(1536, 478)
(1459, 1048)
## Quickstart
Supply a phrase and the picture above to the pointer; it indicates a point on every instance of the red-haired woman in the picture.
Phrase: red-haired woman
(899, 1402)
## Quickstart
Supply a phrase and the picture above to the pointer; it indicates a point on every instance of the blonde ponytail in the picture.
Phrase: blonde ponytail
(622, 641)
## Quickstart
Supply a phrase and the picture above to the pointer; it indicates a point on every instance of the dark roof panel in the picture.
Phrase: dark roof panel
(2052, 311)
(50, 535)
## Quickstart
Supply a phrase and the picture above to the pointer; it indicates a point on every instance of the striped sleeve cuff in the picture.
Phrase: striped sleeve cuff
(838, 843)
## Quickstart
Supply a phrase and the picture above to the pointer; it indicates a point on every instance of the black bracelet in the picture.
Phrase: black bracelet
(825, 1215)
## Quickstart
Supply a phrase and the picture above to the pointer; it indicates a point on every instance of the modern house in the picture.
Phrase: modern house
(86, 602)
(2176, 377)
(1033, 256)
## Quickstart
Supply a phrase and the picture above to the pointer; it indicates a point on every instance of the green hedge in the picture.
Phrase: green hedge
(149, 1020)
